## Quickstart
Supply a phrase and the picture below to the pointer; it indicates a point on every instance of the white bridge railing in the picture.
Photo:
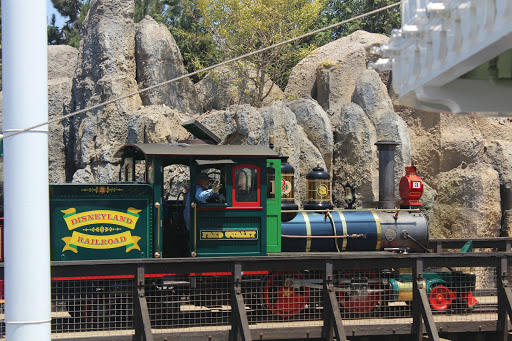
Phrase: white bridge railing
(434, 55)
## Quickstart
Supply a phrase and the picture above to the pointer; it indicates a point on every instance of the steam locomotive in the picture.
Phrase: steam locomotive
(254, 215)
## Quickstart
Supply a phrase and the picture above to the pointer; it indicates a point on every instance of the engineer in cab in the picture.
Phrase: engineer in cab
(202, 194)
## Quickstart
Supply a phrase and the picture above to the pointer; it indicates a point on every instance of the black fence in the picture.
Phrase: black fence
(290, 296)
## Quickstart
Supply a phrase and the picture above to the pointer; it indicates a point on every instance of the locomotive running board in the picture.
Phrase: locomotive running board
(239, 322)
(332, 315)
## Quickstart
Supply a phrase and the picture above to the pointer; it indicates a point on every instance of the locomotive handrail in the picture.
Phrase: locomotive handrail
(194, 207)
(343, 236)
(158, 252)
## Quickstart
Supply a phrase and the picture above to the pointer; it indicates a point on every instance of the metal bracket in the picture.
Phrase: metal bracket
(142, 321)
(421, 306)
(239, 322)
(332, 316)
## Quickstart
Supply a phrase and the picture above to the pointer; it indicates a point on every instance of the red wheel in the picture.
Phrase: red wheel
(440, 298)
(360, 292)
(281, 297)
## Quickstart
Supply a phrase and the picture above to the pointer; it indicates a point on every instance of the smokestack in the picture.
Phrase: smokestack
(386, 173)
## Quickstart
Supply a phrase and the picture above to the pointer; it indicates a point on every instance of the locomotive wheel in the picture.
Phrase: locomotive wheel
(440, 298)
(360, 296)
(281, 298)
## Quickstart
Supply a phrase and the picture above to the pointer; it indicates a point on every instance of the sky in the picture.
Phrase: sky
(59, 20)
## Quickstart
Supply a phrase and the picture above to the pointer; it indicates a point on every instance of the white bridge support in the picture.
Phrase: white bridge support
(452, 55)
(26, 190)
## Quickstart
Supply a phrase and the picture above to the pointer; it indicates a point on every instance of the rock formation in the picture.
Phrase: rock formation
(106, 70)
(329, 73)
(158, 60)
(62, 62)
(468, 203)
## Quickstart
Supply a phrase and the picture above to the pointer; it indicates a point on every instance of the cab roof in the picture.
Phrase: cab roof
(184, 151)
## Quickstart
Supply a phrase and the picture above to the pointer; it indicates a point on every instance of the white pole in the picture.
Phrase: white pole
(26, 208)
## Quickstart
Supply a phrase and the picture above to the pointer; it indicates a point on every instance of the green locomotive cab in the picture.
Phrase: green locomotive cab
(243, 220)
(235, 223)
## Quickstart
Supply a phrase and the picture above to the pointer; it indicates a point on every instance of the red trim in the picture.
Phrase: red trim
(84, 278)
(192, 274)
(247, 204)
(256, 272)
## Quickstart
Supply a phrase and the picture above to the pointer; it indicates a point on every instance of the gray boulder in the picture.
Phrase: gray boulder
(158, 60)
(62, 62)
(355, 156)
(106, 71)
(157, 124)
(428, 199)
(329, 74)
(461, 141)
(499, 155)
(316, 126)
(467, 203)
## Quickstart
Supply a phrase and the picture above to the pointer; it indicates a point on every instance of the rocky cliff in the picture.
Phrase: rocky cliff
(333, 111)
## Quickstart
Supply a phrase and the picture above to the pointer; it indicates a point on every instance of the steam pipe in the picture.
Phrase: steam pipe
(386, 173)
(27, 235)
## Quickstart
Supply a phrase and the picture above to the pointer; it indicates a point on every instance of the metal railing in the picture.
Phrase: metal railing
(290, 296)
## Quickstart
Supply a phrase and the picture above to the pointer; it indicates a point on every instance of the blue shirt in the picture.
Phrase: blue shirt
(201, 196)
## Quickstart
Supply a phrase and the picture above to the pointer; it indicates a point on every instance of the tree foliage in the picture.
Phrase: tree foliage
(336, 11)
(69, 34)
(243, 26)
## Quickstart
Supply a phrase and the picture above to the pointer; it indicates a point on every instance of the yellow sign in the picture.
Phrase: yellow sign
(76, 220)
(229, 235)
(322, 190)
(101, 242)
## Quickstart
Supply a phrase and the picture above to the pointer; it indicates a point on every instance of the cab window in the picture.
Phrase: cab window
(246, 187)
